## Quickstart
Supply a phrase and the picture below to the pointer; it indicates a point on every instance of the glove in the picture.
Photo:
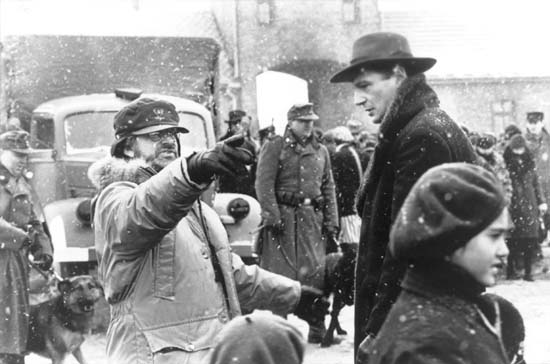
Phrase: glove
(364, 349)
(543, 208)
(277, 228)
(226, 158)
(313, 306)
(333, 245)
(44, 261)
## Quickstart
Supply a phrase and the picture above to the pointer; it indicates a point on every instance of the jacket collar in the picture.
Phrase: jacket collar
(290, 139)
(109, 170)
(412, 96)
(442, 279)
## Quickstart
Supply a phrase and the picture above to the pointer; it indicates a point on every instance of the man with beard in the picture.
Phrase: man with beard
(414, 135)
(21, 233)
(296, 191)
(164, 257)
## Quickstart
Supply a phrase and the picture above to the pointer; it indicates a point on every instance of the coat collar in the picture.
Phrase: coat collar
(412, 96)
(290, 139)
(440, 280)
(109, 170)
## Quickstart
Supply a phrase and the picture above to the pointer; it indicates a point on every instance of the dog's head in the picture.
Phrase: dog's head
(80, 293)
(346, 271)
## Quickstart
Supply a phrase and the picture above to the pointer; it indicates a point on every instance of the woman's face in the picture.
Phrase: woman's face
(485, 254)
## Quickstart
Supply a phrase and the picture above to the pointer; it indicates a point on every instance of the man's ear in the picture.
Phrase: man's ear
(399, 71)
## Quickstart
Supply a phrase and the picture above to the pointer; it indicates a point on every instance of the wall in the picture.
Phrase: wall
(469, 101)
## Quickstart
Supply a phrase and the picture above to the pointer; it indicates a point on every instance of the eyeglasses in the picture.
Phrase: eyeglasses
(160, 135)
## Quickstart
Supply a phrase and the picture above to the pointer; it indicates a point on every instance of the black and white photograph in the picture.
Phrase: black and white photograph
(274, 181)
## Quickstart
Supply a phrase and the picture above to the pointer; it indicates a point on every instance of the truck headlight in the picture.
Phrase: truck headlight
(84, 212)
(238, 208)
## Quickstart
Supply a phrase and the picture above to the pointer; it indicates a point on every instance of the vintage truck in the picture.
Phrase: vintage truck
(70, 133)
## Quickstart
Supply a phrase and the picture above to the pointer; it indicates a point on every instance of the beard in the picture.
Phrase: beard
(164, 154)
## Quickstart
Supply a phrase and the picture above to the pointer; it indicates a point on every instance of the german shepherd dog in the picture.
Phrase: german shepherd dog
(57, 326)
(340, 282)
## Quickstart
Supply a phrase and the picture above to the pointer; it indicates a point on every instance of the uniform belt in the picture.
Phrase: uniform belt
(295, 200)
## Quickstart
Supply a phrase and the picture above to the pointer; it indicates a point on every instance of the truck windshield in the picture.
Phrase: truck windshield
(93, 132)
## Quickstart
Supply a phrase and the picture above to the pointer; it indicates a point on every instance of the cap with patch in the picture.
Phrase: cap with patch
(16, 141)
(301, 112)
(144, 116)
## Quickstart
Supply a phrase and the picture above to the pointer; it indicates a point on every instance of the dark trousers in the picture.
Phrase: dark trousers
(521, 250)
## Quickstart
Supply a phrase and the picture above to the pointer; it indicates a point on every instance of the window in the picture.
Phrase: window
(503, 114)
(93, 132)
(351, 11)
(265, 11)
(42, 132)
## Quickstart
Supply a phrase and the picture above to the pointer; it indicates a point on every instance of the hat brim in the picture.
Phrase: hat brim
(155, 128)
(150, 129)
(412, 65)
(307, 118)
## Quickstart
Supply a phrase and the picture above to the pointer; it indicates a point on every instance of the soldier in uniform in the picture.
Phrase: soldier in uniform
(295, 188)
(243, 183)
(21, 234)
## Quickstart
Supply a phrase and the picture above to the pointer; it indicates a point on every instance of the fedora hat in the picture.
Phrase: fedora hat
(379, 49)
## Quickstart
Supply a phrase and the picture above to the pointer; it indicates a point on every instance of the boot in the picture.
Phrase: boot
(316, 333)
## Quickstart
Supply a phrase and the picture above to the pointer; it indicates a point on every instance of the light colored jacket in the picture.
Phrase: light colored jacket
(157, 271)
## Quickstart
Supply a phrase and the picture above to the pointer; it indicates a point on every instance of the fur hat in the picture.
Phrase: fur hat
(259, 338)
(449, 205)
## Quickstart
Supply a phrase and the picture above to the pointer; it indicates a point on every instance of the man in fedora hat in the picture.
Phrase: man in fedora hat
(414, 135)
(243, 183)
(21, 233)
(295, 189)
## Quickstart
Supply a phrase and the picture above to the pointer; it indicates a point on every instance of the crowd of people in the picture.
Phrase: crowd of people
(435, 210)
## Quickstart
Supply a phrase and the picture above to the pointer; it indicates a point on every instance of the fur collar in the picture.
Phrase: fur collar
(412, 96)
(110, 169)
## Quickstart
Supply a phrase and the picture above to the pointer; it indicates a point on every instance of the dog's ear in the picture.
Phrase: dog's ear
(64, 286)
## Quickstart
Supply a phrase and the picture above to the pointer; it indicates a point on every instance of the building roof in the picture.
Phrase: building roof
(472, 38)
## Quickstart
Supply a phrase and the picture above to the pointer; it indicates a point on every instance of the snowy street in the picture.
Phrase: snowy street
(531, 298)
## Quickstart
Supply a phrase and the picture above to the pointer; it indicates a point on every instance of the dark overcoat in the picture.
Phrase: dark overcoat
(415, 135)
(287, 166)
(347, 171)
(526, 194)
(438, 319)
(539, 145)
(17, 214)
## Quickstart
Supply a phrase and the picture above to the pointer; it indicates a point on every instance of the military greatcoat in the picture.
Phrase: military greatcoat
(295, 188)
(17, 215)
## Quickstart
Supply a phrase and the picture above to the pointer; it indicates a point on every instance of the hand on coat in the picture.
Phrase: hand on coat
(313, 306)
(227, 158)
(364, 349)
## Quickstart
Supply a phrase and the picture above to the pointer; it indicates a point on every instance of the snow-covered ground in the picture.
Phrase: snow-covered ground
(531, 298)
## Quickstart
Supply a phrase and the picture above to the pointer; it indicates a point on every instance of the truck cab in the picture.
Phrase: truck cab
(69, 134)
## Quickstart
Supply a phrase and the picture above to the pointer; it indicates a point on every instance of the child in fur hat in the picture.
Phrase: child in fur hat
(451, 230)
